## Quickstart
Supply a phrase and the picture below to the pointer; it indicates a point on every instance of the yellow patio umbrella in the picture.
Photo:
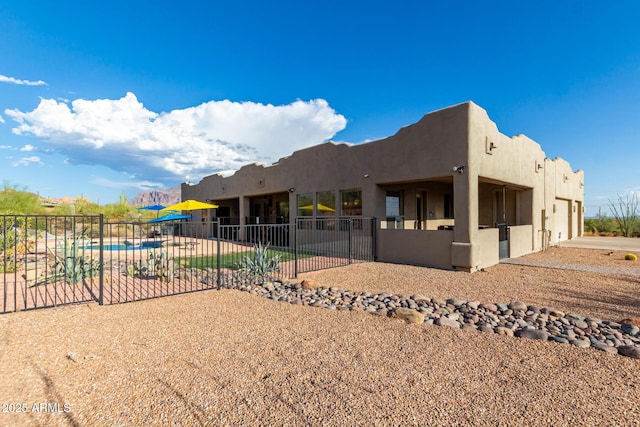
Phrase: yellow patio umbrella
(190, 205)
(321, 208)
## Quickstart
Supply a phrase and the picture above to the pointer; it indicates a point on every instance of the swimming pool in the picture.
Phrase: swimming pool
(126, 246)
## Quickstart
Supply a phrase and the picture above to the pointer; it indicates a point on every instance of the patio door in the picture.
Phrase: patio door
(502, 224)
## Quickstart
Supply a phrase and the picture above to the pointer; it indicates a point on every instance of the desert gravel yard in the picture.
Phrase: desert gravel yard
(230, 358)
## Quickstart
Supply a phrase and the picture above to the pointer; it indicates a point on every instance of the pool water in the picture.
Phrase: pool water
(126, 246)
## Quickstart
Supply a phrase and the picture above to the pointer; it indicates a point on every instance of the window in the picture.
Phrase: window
(326, 203)
(448, 206)
(394, 209)
(351, 202)
(305, 209)
(305, 204)
(325, 210)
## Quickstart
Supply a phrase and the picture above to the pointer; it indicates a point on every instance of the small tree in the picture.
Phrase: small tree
(626, 213)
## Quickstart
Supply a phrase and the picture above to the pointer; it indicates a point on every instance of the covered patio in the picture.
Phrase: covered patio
(419, 226)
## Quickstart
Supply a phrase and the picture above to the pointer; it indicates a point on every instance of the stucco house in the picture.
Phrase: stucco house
(449, 191)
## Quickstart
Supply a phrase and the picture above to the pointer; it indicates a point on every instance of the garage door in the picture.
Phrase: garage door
(561, 221)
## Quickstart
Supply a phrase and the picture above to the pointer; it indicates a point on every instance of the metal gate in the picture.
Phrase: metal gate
(503, 241)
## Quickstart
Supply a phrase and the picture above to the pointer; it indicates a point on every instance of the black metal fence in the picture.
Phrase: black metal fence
(55, 260)
(333, 242)
(44, 262)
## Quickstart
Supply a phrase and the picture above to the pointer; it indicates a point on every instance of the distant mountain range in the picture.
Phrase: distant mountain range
(166, 197)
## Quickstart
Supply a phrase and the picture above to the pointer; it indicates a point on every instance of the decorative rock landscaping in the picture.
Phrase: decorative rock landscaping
(513, 319)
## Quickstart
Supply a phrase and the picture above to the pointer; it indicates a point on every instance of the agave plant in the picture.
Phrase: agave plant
(72, 266)
(260, 264)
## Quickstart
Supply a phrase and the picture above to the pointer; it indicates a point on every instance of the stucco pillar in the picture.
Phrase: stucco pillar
(464, 254)
(244, 208)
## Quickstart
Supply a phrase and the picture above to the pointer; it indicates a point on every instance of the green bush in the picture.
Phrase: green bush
(600, 225)
(15, 243)
(631, 257)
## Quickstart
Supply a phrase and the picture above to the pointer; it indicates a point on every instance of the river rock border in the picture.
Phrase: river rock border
(514, 319)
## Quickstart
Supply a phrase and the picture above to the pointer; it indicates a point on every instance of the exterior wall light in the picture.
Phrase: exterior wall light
(292, 190)
(489, 146)
(459, 169)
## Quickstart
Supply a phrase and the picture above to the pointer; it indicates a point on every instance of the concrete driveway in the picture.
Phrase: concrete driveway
(630, 244)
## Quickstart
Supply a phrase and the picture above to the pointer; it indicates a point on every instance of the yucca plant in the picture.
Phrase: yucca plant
(260, 264)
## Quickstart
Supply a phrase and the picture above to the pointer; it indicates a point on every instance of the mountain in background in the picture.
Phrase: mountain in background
(166, 197)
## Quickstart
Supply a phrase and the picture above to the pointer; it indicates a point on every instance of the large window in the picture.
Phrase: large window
(351, 202)
(325, 210)
(304, 208)
(326, 203)
(305, 204)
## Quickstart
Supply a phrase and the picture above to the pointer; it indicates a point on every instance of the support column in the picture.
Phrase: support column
(464, 254)
(244, 208)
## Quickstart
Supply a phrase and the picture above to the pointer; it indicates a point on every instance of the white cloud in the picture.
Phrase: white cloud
(12, 80)
(139, 185)
(1, 119)
(181, 144)
(28, 161)
(28, 147)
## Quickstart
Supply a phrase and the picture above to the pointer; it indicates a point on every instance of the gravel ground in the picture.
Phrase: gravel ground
(607, 296)
(230, 358)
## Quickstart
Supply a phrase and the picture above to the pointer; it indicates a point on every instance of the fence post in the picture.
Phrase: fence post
(101, 260)
(350, 239)
(295, 249)
(218, 253)
(374, 230)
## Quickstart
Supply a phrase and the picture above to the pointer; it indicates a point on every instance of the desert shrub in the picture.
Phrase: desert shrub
(15, 243)
(601, 224)
(631, 257)
(626, 213)
(19, 202)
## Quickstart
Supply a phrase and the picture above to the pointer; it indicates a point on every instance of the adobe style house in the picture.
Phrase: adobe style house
(449, 191)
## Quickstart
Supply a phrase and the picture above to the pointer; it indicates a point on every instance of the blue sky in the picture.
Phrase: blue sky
(100, 98)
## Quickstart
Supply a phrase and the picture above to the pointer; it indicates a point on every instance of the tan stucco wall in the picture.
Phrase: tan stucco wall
(417, 156)
(416, 247)
(488, 243)
(520, 240)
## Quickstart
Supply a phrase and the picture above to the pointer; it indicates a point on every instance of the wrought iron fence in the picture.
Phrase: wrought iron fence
(332, 242)
(48, 260)
(54, 260)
